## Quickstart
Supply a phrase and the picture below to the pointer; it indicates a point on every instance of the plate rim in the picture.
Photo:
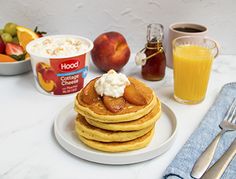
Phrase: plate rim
(163, 147)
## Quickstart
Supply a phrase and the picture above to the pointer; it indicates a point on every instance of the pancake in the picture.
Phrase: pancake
(138, 124)
(138, 143)
(88, 131)
(98, 112)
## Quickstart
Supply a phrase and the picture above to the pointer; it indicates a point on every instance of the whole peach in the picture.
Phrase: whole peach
(110, 51)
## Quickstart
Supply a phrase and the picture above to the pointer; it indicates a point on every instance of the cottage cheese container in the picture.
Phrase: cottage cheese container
(59, 63)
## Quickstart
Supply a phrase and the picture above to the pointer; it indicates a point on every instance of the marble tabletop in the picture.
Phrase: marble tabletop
(28, 149)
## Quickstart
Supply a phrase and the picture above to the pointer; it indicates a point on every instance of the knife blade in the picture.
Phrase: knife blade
(217, 170)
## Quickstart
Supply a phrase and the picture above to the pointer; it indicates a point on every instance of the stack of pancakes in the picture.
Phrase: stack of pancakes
(129, 129)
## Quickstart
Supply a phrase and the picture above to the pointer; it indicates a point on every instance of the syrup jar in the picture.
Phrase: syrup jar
(152, 56)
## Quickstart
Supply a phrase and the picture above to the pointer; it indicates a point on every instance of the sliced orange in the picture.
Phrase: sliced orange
(6, 58)
(27, 56)
(25, 35)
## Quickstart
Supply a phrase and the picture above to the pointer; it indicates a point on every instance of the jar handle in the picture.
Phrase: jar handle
(159, 51)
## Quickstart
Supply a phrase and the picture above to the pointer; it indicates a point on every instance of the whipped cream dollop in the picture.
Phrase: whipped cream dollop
(111, 84)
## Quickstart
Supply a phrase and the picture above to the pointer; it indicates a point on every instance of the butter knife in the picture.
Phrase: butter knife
(217, 170)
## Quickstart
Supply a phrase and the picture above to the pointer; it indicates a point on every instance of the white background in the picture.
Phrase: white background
(92, 17)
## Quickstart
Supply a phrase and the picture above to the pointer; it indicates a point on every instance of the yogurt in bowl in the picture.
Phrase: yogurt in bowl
(59, 63)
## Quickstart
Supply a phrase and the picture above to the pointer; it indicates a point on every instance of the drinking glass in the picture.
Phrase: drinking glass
(192, 58)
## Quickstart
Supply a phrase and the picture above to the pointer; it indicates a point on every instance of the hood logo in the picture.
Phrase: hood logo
(69, 65)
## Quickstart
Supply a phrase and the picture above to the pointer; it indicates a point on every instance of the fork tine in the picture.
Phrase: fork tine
(234, 119)
(230, 109)
(233, 115)
(232, 112)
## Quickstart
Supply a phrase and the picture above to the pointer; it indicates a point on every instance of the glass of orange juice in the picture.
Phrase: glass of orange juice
(192, 60)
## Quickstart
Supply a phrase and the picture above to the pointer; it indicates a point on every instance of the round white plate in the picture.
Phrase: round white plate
(165, 131)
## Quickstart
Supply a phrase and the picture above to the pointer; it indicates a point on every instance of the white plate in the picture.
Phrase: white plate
(165, 131)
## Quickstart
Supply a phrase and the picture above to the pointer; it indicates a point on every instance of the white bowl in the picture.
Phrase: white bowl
(15, 68)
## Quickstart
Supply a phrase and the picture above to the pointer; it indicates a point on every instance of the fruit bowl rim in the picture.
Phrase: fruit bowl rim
(16, 62)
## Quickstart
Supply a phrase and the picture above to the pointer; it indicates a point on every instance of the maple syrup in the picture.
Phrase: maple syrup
(154, 60)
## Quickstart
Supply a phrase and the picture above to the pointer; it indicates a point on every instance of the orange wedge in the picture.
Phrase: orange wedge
(25, 35)
(6, 58)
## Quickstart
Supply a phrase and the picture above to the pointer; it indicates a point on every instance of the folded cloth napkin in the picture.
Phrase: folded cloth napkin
(183, 163)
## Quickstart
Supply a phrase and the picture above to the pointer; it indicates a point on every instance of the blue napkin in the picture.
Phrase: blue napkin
(183, 163)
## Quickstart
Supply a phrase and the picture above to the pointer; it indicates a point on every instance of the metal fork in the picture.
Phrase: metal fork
(228, 124)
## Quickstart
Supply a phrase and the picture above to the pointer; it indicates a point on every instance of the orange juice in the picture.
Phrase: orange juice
(192, 66)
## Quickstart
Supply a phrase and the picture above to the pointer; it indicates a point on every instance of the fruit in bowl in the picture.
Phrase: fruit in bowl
(13, 40)
(110, 51)
(2, 46)
(10, 28)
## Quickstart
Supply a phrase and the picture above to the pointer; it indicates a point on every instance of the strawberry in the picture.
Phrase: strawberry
(39, 33)
(2, 46)
(15, 51)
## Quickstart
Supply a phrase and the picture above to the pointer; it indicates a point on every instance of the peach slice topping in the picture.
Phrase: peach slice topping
(114, 104)
(133, 96)
(89, 95)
